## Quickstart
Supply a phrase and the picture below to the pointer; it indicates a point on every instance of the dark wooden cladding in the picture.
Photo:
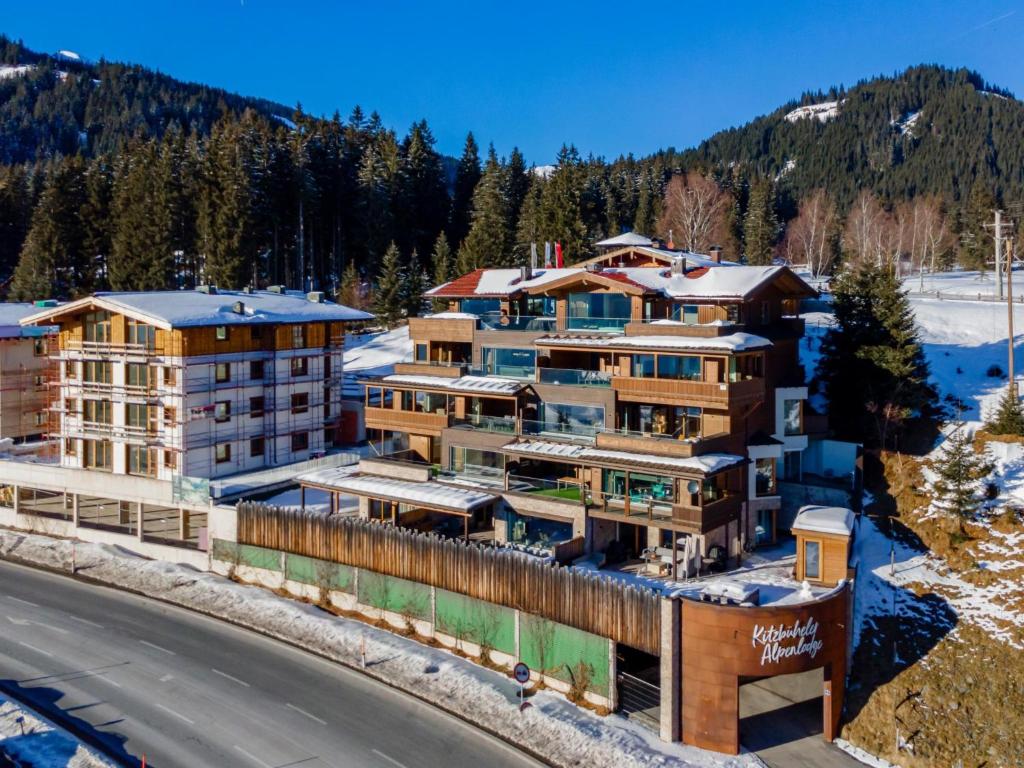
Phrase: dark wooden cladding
(580, 599)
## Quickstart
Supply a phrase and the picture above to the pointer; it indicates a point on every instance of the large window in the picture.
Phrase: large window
(643, 366)
(96, 372)
(480, 306)
(598, 311)
(812, 560)
(514, 363)
(679, 422)
(431, 402)
(137, 375)
(298, 336)
(141, 460)
(641, 487)
(300, 441)
(96, 454)
(473, 461)
(765, 477)
(565, 418)
(97, 411)
(793, 416)
(300, 366)
(300, 402)
(141, 334)
(140, 416)
(222, 411)
(222, 372)
(679, 367)
(97, 327)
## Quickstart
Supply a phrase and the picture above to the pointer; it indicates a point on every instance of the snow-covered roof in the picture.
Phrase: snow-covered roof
(625, 239)
(189, 308)
(707, 464)
(835, 520)
(492, 385)
(429, 494)
(734, 342)
(11, 315)
(453, 316)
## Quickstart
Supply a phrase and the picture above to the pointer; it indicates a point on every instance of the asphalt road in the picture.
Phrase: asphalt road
(190, 691)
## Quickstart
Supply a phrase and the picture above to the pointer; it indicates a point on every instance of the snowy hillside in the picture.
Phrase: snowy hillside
(374, 354)
(822, 112)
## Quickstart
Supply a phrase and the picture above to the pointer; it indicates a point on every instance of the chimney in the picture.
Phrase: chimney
(209, 289)
(275, 289)
(533, 256)
(678, 265)
(671, 241)
(525, 273)
(238, 308)
(317, 297)
(715, 252)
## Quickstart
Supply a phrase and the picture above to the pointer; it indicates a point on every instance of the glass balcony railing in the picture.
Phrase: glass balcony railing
(501, 424)
(574, 376)
(493, 321)
(527, 372)
(557, 489)
(565, 430)
(596, 323)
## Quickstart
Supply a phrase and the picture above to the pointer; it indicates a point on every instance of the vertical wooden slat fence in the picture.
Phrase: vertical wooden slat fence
(582, 599)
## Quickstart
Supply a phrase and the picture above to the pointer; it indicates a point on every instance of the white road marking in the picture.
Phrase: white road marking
(37, 650)
(232, 678)
(158, 647)
(26, 602)
(307, 714)
(85, 621)
(50, 626)
(391, 760)
(166, 678)
(178, 715)
(19, 622)
(253, 757)
(106, 679)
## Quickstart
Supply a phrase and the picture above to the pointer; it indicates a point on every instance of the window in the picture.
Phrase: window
(327, 366)
(641, 487)
(421, 353)
(563, 418)
(170, 416)
(690, 314)
(222, 411)
(140, 461)
(479, 306)
(39, 381)
(407, 399)
(643, 366)
(138, 415)
(96, 372)
(170, 376)
(96, 411)
(732, 313)
(300, 402)
(812, 560)
(766, 312)
(791, 465)
(137, 375)
(222, 372)
(431, 402)
(256, 447)
(473, 461)
(514, 363)
(97, 327)
(327, 402)
(793, 417)
(764, 477)
(70, 370)
(141, 334)
(70, 446)
(298, 336)
(39, 418)
(300, 366)
(679, 367)
(256, 369)
(97, 454)
(300, 441)
(222, 452)
(221, 333)
(256, 333)
(598, 311)
(256, 406)
(170, 459)
(39, 346)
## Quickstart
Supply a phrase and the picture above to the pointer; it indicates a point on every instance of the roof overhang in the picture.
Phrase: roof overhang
(588, 280)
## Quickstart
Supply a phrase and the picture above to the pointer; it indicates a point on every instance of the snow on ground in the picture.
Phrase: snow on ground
(823, 112)
(564, 733)
(10, 70)
(375, 354)
(907, 122)
(962, 283)
(35, 741)
(316, 500)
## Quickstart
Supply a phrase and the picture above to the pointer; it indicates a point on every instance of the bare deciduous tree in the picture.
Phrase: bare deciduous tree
(810, 239)
(695, 211)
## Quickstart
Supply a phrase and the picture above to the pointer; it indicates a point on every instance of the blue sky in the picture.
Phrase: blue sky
(610, 77)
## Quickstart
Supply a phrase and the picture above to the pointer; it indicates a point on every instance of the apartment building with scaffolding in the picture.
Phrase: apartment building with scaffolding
(648, 400)
(153, 398)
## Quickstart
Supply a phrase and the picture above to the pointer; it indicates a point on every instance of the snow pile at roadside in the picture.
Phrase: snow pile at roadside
(29, 739)
(565, 734)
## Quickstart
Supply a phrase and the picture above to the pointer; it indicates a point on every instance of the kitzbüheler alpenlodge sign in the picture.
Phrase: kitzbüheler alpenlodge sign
(723, 646)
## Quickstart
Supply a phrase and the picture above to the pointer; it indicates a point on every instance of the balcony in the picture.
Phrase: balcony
(665, 327)
(406, 421)
(610, 324)
(663, 444)
(432, 368)
(710, 516)
(560, 431)
(574, 377)
(458, 329)
(497, 424)
(528, 323)
(685, 391)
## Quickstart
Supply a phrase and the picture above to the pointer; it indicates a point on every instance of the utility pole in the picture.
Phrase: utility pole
(1009, 312)
(999, 253)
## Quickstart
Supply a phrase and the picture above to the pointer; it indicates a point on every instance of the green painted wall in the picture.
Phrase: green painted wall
(393, 594)
(558, 648)
(258, 557)
(309, 570)
(475, 620)
(225, 551)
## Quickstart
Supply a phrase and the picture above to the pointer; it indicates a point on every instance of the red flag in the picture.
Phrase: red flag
(558, 255)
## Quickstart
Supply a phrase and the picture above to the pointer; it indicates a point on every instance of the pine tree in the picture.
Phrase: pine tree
(467, 176)
(960, 470)
(760, 223)
(872, 356)
(1008, 417)
(351, 291)
(15, 215)
(444, 268)
(528, 229)
(489, 242)
(975, 240)
(562, 206)
(413, 284)
(97, 216)
(53, 262)
(387, 298)
(648, 206)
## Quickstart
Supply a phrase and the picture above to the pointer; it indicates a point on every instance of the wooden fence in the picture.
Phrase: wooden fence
(582, 599)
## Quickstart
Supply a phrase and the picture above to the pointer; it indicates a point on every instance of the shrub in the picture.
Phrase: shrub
(994, 372)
